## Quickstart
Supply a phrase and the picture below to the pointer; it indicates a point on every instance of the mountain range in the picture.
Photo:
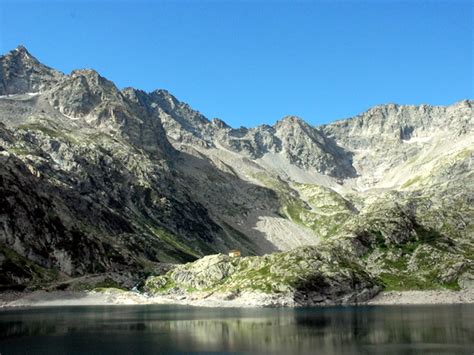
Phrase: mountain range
(97, 180)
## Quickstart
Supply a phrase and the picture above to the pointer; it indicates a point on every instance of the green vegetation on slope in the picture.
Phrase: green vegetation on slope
(307, 270)
(14, 268)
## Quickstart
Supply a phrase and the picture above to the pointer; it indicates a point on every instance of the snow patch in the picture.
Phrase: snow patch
(72, 118)
(417, 140)
(19, 95)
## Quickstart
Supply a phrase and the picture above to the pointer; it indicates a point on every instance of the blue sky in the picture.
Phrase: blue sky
(253, 62)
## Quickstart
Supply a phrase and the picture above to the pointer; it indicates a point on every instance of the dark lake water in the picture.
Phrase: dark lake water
(178, 329)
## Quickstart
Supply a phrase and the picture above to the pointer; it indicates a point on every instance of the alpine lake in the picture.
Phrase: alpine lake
(157, 329)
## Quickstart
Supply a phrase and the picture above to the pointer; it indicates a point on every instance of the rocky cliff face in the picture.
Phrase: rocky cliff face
(95, 179)
(387, 139)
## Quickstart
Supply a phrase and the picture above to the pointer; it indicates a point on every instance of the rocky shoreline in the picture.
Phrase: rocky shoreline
(303, 277)
(423, 297)
(112, 297)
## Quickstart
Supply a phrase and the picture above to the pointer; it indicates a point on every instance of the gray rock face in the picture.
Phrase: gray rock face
(388, 136)
(308, 147)
(205, 273)
(398, 122)
(299, 143)
(94, 100)
(95, 179)
(253, 143)
(181, 123)
(85, 93)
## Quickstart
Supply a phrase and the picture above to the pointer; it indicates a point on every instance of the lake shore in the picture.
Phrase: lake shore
(423, 297)
(117, 297)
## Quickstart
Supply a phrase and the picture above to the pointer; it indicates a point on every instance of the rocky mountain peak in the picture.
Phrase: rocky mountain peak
(164, 94)
(166, 101)
(182, 123)
(23, 73)
(132, 93)
(138, 97)
(465, 103)
(393, 123)
(85, 93)
(21, 50)
(91, 74)
(289, 120)
(217, 122)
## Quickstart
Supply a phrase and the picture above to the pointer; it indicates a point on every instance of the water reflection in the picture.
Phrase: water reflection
(151, 329)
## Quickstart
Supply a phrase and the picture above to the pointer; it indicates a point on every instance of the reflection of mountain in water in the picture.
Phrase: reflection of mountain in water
(332, 330)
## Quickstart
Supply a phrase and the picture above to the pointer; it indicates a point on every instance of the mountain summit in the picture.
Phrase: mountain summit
(22, 73)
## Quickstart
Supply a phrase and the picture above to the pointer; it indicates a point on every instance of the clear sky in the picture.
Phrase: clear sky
(253, 62)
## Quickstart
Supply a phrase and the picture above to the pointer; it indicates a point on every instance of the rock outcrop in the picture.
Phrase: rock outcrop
(301, 277)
